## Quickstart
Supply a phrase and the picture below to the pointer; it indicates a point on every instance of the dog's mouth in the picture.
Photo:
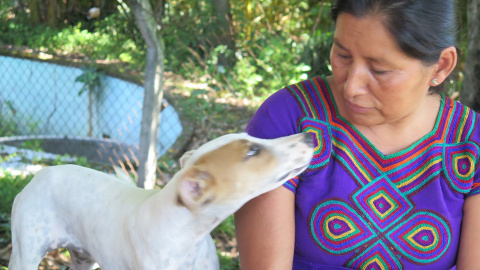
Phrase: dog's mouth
(292, 173)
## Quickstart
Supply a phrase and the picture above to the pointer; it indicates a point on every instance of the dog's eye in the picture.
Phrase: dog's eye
(254, 150)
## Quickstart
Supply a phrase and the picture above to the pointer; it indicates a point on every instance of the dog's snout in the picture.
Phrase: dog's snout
(308, 139)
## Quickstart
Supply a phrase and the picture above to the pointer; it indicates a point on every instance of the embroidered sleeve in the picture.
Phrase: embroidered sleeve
(475, 138)
(292, 184)
(476, 184)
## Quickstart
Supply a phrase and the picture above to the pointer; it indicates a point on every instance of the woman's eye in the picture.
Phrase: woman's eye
(344, 56)
(254, 150)
(379, 72)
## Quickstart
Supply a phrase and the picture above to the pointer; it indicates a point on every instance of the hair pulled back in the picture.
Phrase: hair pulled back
(421, 28)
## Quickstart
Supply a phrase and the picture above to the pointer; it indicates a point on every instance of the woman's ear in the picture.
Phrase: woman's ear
(445, 65)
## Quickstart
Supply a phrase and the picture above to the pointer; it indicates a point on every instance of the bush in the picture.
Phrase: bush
(10, 186)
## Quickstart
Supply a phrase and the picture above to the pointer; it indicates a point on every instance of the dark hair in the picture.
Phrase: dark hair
(422, 28)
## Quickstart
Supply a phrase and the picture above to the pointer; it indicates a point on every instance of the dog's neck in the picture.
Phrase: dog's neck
(195, 226)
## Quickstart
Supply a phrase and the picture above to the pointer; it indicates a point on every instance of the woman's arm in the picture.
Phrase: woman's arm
(265, 229)
(469, 250)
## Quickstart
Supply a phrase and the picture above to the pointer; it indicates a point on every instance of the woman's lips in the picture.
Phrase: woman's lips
(358, 108)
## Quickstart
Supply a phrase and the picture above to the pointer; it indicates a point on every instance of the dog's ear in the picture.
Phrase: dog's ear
(192, 188)
(185, 157)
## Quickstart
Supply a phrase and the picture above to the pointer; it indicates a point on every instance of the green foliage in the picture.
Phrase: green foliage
(115, 37)
(209, 117)
(7, 157)
(227, 227)
(167, 165)
(8, 127)
(10, 186)
(90, 79)
(5, 229)
(35, 145)
(228, 263)
(276, 64)
(81, 161)
(277, 42)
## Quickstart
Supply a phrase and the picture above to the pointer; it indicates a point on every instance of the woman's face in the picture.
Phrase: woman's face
(375, 82)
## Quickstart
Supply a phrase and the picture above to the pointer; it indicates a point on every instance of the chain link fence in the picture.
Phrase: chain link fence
(76, 111)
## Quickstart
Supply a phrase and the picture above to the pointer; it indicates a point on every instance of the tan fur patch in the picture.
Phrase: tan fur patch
(231, 168)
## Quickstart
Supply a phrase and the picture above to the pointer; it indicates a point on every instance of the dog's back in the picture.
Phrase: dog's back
(46, 214)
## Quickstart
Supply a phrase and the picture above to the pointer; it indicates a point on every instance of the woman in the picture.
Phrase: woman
(396, 166)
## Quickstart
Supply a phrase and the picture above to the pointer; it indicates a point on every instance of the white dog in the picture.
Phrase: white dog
(99, 218)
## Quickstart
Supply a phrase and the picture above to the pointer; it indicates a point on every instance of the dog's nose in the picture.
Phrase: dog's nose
(308, 139)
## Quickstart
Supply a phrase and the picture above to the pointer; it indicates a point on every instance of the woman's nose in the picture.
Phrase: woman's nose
(357, 81)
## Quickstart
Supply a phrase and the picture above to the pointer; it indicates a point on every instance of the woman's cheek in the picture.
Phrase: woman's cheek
(339, 69)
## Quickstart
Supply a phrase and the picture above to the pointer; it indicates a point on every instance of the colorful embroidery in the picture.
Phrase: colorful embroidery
(423, 238)
(381, 225)
(323, 145)
(337, 228)
(459, 165)
(382, 203)
(376, 257)
(292, 184)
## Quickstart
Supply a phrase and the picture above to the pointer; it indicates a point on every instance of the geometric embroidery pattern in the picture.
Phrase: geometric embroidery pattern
(382, 203)
(322, 143)
(423, 238)
(377, 256)
(337, 228)
(459, 165)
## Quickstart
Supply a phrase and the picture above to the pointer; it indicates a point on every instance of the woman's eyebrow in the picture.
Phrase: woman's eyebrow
(337, 43)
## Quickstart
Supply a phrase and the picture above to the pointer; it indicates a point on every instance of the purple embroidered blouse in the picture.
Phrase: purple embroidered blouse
(359, 209)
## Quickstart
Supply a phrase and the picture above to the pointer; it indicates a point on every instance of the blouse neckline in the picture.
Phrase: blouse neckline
(353, 131)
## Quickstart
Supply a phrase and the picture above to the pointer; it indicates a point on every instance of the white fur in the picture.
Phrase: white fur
(99, 218)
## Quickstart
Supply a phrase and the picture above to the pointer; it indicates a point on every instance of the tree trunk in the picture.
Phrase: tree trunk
(52, 9)
(470, 95)
(34, 7)
(158, 9)
(91, 100)
(153, 92)
(224, 34)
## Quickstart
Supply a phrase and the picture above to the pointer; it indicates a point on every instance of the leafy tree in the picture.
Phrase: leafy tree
(225, 31)
(470, 95)
(57, 12)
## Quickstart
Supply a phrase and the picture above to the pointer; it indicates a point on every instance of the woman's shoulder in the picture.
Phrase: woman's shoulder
(463, 122)
(278, 115)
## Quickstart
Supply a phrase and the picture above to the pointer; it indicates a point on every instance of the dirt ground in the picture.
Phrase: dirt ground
(60, 260)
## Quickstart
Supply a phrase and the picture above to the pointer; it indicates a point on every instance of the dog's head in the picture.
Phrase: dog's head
(235, 168)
